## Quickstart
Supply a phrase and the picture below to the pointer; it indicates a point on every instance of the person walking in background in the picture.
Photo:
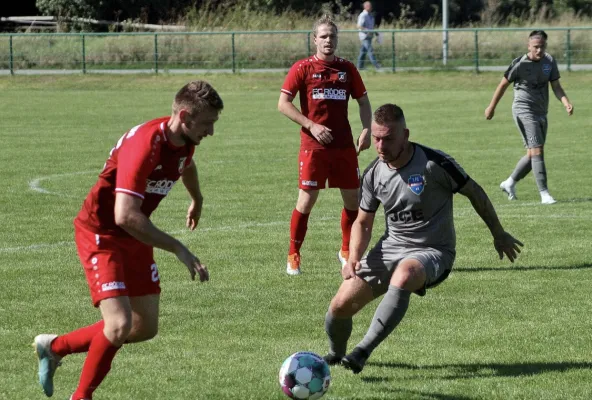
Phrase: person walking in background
(531, 75)
(327, 150)
(115, 237)
(366, 23)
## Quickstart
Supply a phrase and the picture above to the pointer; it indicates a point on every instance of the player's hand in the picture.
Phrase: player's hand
(349, 270)
(508, 245)
(321, 133)
(569, 108)
(194, 213)
(193, 264)
(364, 140)
(489, 112)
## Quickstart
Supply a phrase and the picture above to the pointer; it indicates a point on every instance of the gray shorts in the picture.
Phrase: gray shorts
(380, 263)
(532, 127)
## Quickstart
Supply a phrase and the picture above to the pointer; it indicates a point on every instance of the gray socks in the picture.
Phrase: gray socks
(540, 172)
(522, 168)
(338, 330)
(389, 313)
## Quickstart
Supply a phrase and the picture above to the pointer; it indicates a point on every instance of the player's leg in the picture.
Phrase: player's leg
(523, 166)
(420, 269)
(537, 157)
(345, 175)
(349, 213)
(351, 297)
(312, 174)
(117, 316)
(145, 311)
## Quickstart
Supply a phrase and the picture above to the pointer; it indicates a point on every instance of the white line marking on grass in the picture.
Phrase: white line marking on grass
(183, 232)
(35, 184)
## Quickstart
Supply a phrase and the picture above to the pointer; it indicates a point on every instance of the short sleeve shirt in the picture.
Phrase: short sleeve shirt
(144, 164)
(531, 83)
(365, 20)
(325, 89)
(417, 198)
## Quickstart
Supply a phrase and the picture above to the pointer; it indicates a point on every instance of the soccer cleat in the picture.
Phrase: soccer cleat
(293, 265)
(48, 361)
(332, 359)
(343, 256)
(546, 198)
(508, 189)
(355, 360)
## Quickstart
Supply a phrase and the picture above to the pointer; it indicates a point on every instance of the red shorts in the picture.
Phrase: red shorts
(116, 266)
(338, 166)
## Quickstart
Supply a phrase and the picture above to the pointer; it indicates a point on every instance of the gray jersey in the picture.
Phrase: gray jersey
(417, 198)
(531, 83)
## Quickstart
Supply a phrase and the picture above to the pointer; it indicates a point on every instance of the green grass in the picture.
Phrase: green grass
(492, 331)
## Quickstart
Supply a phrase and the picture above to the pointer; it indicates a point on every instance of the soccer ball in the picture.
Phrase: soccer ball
(305, 375)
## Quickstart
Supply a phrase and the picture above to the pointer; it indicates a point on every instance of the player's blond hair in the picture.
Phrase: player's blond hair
(196, 96)
(388, 114)
(324, 20)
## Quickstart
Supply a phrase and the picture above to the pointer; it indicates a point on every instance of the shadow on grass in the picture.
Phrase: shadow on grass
(524, 268)
(418, 394)
(482, 370)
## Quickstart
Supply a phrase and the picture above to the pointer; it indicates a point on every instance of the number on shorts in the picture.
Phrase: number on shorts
(155, 277)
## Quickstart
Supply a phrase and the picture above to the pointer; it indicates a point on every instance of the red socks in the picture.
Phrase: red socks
(76, 341)
(96, 366)
(347, 220)
(298, 227)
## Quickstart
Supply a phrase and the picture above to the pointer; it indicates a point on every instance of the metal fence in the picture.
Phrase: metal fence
(470, 49)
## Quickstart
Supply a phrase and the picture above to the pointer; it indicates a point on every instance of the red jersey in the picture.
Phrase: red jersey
(325, 88)
(145, 164)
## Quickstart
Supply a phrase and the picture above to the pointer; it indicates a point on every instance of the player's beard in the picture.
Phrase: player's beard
(188, 140)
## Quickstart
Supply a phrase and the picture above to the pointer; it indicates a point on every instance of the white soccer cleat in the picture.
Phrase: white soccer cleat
(48, 361)
(343, 256)
(546, 198)
(293, 264)
(508, 189)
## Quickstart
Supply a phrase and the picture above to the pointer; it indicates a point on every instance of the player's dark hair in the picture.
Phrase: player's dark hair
(538, 33)
(196, 96)
(324, 20)
(388, 114)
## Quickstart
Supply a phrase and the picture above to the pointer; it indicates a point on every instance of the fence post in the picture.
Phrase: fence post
(233, 55)
(308, 44)
(83, 55)
(156, 53)
(568, 50)
(394, 62)
(11, 57)
(476, 51)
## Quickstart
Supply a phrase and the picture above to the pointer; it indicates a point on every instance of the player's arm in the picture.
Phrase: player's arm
(503, 242)
(561, 96)
(129, 217)
(497, 95)
(190, 180)
(361, 233)
(366, 119)
(286, 107)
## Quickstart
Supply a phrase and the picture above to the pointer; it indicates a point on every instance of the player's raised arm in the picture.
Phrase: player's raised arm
(191, 182)
(503, 242)
(497, 95)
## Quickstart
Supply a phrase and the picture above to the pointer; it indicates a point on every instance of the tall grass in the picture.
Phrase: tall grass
(280, 50)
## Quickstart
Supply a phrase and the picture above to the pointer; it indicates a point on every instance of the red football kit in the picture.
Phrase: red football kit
(325, 88)
(145, 164)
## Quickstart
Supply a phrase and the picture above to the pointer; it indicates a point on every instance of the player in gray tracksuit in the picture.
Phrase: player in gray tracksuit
(531, 75)
(415, 185)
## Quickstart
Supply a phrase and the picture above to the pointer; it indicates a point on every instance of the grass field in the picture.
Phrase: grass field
(492, 331)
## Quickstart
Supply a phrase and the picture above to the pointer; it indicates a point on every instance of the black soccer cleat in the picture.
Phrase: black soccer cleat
(355, 360)
(332, 359)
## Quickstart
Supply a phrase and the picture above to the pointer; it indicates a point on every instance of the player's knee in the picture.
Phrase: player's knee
(343, 308)
(117, 329)
(409, 278)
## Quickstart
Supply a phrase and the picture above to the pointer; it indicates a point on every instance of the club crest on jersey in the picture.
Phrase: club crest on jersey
(546, 69)
(342, 76)
(416, 183)
(182, 164)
